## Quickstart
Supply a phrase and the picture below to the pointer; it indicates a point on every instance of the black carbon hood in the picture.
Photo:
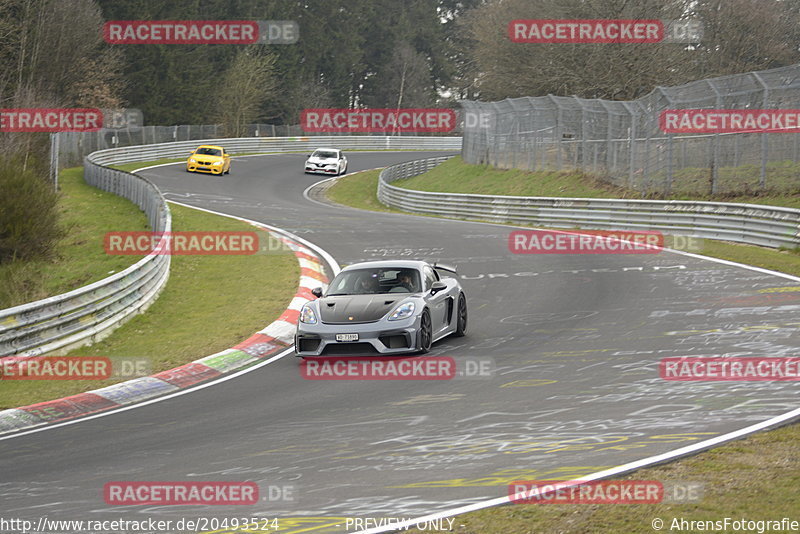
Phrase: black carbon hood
(351, 309)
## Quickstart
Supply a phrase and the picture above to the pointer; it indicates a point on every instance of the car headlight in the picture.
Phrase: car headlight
(191, 160)
(217, 163)
(402, 312)
(307, 315)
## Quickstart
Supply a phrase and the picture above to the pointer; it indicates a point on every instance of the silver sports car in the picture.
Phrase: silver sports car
(383, 307)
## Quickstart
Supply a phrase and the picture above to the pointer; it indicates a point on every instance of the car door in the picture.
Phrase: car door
(437, 302)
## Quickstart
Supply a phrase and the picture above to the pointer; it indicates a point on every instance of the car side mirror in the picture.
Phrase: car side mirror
(317, 292)
(438, 286)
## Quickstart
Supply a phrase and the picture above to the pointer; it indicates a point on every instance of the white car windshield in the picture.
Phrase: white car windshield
(324, 154)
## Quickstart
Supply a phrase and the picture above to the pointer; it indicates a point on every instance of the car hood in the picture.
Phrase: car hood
(351, 309)
(322, 160)
(204, 157)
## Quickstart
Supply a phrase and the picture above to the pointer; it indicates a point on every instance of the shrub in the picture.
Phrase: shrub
(28, 213)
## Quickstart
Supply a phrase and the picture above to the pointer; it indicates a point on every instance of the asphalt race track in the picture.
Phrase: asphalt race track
(575, 342)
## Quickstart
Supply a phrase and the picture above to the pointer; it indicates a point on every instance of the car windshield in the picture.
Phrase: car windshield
(207, 151)
(324, 154)
(375, 281)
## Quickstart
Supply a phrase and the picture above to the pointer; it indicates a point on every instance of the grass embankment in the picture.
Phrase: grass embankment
(78, 258)
(455, 176)
(755, 478)
(210, 303)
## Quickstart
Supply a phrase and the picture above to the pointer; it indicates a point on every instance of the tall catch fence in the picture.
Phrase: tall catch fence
(623, 143)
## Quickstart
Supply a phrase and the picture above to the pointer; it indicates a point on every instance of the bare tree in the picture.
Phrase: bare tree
(746, 35)
(613, 70)
(246, 85)
(406, 81)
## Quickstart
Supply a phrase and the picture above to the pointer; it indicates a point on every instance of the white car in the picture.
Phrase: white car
(326, 161)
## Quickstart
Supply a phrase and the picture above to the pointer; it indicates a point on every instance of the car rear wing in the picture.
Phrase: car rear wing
(444, 267)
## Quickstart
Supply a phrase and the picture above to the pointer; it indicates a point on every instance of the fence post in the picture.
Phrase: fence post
(557, 131)
(764, 136)
(54, 148)
(632, 144)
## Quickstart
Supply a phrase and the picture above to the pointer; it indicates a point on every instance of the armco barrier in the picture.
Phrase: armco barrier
(767, 226)
(86, 314)
(261, 145)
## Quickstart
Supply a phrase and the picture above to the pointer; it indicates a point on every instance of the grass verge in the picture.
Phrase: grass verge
(86, 213)
(210, 303)
(455, 176)
(755, 478)
(138, 165)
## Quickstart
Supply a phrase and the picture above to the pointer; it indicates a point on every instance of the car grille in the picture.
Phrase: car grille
(349, 349)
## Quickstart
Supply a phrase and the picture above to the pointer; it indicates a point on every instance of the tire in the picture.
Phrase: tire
(461, 317)
(425, 335)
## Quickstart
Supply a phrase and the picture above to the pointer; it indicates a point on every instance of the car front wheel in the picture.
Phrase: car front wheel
(425, 336)
(461, 318)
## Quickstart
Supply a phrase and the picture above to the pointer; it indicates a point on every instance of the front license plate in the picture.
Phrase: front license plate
(346, 337)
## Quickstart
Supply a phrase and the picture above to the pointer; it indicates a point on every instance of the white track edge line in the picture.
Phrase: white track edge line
(151, 401)
(637, 464)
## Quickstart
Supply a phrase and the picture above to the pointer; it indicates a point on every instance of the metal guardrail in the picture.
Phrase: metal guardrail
(262, 145)
(88, 313)
(766, 226)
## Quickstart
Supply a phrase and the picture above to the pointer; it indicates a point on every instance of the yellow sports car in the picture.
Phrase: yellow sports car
(209, 158)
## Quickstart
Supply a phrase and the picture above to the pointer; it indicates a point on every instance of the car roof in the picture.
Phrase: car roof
(331, 149)
(387, 264)
(210, 146)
